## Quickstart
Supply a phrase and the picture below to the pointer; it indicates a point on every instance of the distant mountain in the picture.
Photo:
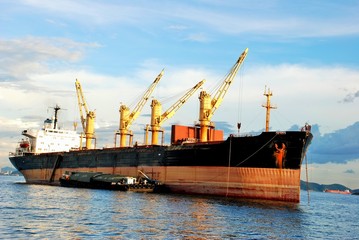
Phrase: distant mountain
(11, 170)
(7, 169)
(321, 187)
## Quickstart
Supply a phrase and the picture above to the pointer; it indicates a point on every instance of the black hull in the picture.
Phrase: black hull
(257, 152)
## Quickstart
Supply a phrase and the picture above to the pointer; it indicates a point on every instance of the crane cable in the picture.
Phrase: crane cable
(230, 150)
(240, 99)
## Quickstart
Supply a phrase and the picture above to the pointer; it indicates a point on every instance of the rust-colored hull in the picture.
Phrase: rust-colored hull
(256, 183)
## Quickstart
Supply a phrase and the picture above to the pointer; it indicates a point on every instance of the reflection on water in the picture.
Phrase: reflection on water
(38, 212)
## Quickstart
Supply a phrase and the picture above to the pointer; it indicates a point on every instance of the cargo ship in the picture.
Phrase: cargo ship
(198, 160)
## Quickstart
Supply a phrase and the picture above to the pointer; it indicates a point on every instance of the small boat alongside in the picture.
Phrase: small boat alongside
(98, 180)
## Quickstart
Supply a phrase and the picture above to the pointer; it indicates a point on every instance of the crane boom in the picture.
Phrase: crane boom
(157, 118)
(137, 110)
(172, 110)
(126, 118)
(208, 106)
(87, 121)
(219, 95)
(81, 103)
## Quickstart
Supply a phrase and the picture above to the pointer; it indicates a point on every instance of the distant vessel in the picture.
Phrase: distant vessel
(347, 191)
(198, 161)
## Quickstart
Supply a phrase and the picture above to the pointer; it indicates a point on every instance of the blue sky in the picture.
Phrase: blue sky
(306, 52)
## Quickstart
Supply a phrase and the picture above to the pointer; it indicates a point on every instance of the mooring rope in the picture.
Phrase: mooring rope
(256, 151)
(229, 163)
(306, 173)
(229, 158)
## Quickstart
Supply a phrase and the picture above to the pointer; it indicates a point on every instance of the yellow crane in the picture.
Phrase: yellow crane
(88, 121)
(157, 118)
(208, 106)
(126, 118)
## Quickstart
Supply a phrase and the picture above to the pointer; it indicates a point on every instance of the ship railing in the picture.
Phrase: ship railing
(12, 154)
(306, 128)
(245, 134)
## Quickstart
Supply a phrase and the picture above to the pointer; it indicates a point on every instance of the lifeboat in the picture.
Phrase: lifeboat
(24, 144)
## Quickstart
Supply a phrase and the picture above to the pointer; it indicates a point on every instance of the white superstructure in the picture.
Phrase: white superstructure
(48, 139)
(52, 140)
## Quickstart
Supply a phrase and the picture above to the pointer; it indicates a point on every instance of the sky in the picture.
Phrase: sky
(305, 52)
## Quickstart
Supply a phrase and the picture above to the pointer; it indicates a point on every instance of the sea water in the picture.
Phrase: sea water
(49, 212)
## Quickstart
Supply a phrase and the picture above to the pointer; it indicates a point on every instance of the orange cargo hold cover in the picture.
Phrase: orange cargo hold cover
(184, 133)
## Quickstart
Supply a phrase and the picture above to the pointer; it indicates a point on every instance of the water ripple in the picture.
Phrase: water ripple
(46, 212)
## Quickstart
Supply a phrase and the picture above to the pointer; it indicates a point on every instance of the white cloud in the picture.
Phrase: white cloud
(198, 37)
(96, 12)
(281, 18)
(299, 91)
(35, 55)
(303, 93)
(177, 27)
(13, 125)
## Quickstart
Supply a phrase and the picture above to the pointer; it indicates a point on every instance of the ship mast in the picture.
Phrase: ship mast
(268, 106)
(56, 108)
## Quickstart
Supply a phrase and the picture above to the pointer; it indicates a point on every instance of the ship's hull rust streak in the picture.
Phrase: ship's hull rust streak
(255, 183)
